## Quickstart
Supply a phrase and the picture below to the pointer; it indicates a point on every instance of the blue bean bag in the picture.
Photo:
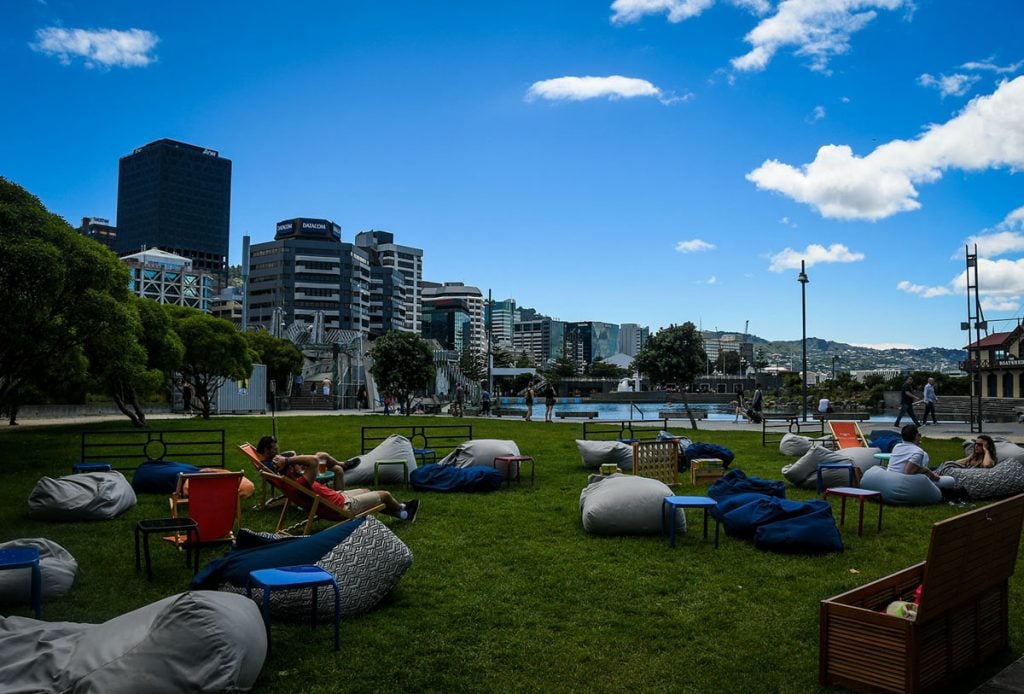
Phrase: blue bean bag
(884, 440)
(733, 502)
(737, 482)
(448, 478)
(159, 476)
(812, 532)
(744, 520)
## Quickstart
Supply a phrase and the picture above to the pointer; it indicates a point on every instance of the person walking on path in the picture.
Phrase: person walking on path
(549, 403)
(907, 399)
(485, 403)
(187, 392)
(529, 404)
(929, 401)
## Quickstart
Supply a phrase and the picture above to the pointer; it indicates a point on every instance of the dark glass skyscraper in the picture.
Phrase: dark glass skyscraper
(176, 197)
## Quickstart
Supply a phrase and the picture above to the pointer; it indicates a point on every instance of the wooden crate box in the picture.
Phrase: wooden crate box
(962, 619)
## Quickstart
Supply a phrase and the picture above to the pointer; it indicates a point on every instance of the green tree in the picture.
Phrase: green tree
(281, 357)
(402, 364)
(728, 362)
(132, 350)
(64, 299)
(214, 352)
(602, 369)
(564, 367)
(673, 355)
(473, 364)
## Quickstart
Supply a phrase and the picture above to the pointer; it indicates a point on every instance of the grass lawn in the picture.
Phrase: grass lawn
(506, 591)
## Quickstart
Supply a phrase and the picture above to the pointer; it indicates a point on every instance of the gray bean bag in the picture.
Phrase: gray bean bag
(1004, 479)
(900, 489)
(598, 453)
(795, 445)
(87, 496)
(481, 452)
(56, 566)
(202, 641)
(625, 505)
(392, 448)
(804, 472)
(368, 564)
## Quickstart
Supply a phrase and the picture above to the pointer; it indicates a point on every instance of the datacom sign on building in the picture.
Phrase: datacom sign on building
(308, 228)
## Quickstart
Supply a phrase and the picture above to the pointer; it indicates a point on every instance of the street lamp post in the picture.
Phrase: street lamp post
(802, 279)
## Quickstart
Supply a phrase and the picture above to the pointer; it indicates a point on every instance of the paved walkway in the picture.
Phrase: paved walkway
(943, 430)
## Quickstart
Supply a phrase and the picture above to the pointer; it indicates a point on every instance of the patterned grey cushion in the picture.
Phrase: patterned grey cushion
(367, 565)
(1005, 479)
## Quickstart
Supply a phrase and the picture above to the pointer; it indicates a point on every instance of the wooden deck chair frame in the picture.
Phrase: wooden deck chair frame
(249, 451)
(847, 434)
(316, 506)
(657, 459)
(179, 499)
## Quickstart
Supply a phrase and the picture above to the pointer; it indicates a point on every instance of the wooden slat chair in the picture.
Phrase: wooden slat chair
(962, 619)
(250, 452)
(316, 506)
(847, 434)
(212, 502)
(658, 460)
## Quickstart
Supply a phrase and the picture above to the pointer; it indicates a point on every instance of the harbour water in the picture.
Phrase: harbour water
(643, 410)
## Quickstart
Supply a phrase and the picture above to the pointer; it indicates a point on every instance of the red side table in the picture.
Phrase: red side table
(861, 494)
(517, 461)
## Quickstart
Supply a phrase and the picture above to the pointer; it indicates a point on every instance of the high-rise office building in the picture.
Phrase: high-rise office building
(469, 299)
(585, 341)
(99, 229)
(632, 338)
(405, 259)
(299, 272)
(541, 336)
(501, 316)
(176, 197)
(169, 279)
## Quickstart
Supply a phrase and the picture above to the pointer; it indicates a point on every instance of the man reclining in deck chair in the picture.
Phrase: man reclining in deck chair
(304, 469)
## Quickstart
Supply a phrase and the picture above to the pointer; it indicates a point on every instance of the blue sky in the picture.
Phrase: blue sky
(645, 161)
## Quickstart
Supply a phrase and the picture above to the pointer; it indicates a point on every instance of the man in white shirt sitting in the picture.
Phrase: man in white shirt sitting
(908, 458)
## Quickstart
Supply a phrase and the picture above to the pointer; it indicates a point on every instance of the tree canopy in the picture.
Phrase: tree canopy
(282, 358)
(673, 355)
(214, 352)
(402, 364)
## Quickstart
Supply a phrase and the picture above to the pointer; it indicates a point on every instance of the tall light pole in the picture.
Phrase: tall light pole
(802, 279)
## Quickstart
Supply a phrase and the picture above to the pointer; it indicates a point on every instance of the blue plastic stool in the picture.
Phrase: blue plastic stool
(25, 558)
(835, 466)
(674, 502)
(294, 578)
(90, 467)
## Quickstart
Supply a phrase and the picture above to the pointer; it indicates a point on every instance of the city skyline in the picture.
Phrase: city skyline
(627, 162)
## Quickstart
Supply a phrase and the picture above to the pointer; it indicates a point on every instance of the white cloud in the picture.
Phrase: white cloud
(1014, 220)
(627, 11)
(949, 85)
(816, 115)
(987, 133)
(1002, 277)
(786, 221)
(818, 29)
(583, 88)
(814, 254)
(97, 47)
(990, 66)
(1000, 304)
(694, 245)
(996, 244)
(712, 280)
(923, 291)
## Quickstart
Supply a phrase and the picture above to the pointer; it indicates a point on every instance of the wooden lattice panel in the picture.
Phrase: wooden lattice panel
(658, 460)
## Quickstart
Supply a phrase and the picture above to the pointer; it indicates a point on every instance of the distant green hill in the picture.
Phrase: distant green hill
(852, 358)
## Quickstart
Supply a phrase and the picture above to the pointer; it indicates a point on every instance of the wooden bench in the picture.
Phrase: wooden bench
(847, 416)
(510, 411)
(426, 439)
(630, 430)
(126, 450)
(588, 414)
(774, 427)
(962, 619)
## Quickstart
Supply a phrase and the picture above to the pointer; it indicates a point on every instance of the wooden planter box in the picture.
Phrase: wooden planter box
(962, 619)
